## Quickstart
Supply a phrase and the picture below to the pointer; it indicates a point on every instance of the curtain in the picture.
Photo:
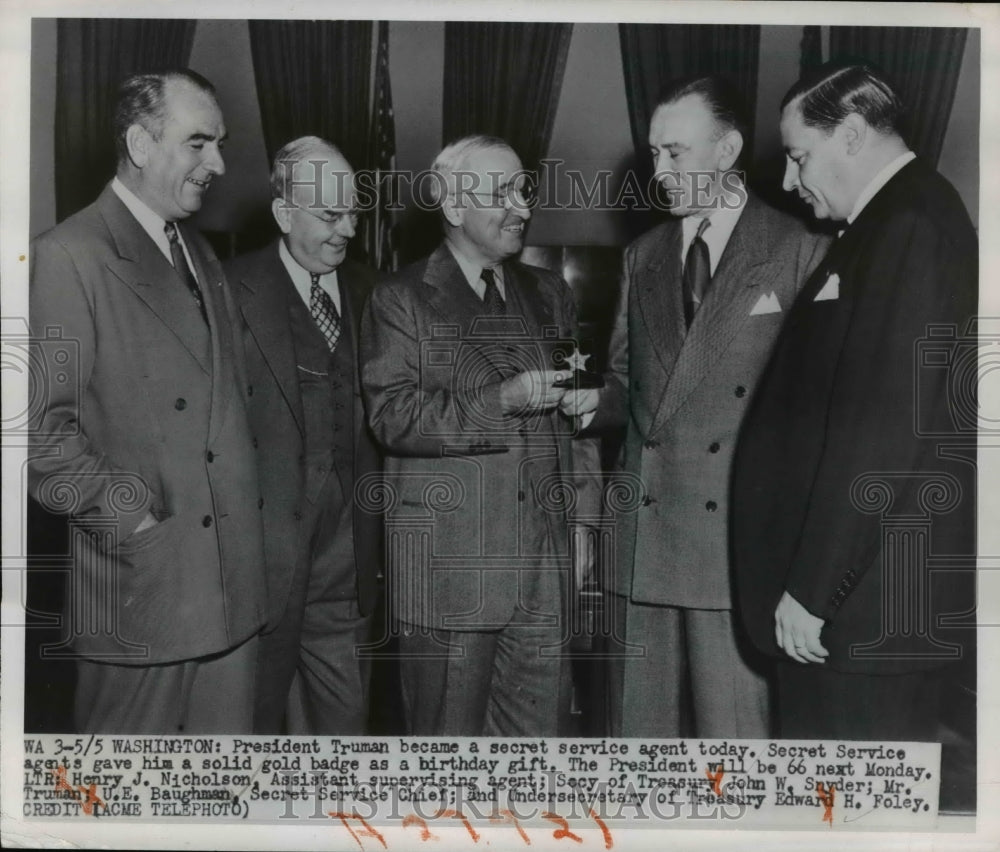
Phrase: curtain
(654, 54)
(812, 48)
(922, 62)
(95, 55)
(504, 79)
(314, 78)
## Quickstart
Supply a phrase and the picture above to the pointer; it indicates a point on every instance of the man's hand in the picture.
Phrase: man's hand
(797, 630)
(531, 391)
(578, 402)
(583, 554)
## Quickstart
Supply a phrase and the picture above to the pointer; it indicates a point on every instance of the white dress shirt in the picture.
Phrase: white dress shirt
(152, 223)
(716, 235)
(302, 278)
(473, 272)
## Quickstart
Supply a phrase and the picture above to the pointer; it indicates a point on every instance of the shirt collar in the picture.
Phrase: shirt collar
(302, 278)
(473, 272)
(717, 235)
(877, 182)
(152, 223)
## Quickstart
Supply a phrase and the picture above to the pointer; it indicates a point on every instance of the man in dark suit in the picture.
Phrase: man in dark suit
(301, 301)
(142, 434)
(479, 459)
(844, 480)
(704, 296)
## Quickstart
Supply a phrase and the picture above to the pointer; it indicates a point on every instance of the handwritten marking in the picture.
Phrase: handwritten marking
(468, 826)
(508, 817)
(563, 830)
(86, 797)
(367, 831)
(425, 832)
(608, 842)
(826, 796)
(715, 779)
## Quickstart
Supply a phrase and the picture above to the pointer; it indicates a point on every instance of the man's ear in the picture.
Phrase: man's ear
(855, 130)
(137, 142)
(282, 212)
(452, 212)
(730, 146)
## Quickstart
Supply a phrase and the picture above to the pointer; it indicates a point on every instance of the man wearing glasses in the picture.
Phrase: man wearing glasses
(478, 436)
(301, 302)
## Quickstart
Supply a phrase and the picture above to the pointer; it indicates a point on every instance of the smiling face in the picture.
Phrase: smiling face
(817, 165)
(176, 166)
(690, 150)
(488, 216)
(321, 217)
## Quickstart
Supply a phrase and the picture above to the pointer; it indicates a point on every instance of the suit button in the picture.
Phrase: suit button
(180, 404)
(651, 445)
(301, 459)
(520, 497)
(210, 456)
(711, 505)
(297, 515)
(648, 501)
(254, 443)
(740, 391)
(635, 385)
(260, 503)
(206, 521)
(249, 390)
(714, 447)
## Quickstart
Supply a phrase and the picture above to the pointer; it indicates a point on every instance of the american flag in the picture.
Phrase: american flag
(383, 157)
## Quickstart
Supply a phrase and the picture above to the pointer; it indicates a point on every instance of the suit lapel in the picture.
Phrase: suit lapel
(142, 268)
(736, 285)
(264, 305)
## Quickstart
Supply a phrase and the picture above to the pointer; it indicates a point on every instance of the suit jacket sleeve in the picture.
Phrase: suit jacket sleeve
(407, 416)
(61, 305)
(914, 274)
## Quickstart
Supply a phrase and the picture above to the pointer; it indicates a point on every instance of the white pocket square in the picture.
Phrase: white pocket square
(768, 304)
(831, 289)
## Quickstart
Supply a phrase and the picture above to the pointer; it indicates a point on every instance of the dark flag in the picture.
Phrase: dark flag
(378, 237)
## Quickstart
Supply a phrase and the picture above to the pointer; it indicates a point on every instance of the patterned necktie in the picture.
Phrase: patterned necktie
(697, 273)
(495, 305)
(183, 270)
(324, 312)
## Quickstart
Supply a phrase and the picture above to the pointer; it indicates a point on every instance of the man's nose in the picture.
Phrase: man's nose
(214, 162)
(791, 178)
(346, 226)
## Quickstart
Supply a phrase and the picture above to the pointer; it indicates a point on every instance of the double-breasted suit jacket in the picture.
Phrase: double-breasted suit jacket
(263, 293)
(856, 464)
(684, 392)
(140, 410)
(478, 500)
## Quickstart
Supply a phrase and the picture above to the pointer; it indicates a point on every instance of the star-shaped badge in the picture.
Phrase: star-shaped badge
(577, 361)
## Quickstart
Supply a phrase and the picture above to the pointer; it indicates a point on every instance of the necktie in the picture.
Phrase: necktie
(181, 265)
(697, 273)
(324, 312)
(494, 302)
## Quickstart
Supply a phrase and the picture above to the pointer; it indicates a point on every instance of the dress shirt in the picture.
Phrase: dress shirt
(152, 223)
(473, 272)
(716, 236)
(302, 279)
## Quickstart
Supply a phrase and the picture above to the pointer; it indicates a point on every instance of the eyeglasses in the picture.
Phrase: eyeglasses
(523, 195)
(328, 217)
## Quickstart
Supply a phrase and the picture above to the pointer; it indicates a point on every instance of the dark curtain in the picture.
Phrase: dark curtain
(504, 79)
(922, 62)
(314, 78)
(95, 55)
(654, 54)
(812, 48)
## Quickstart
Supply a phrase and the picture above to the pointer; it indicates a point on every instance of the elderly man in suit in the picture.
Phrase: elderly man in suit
(147, 443)
(301, 301)
(462, 396)
(845, 457)
(704, 296)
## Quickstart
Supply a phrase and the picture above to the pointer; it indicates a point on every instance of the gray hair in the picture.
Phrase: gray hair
(294, 152)
(454, 156)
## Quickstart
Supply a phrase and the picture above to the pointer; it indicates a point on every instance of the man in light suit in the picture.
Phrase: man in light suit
(301, 301)
(479, 458)
(852, 468)
(704, 295)
(146, 444)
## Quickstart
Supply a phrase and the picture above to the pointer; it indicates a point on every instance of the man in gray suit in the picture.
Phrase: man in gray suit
(152, 446)
(301, 301)
(703, 299)
(478, 460)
